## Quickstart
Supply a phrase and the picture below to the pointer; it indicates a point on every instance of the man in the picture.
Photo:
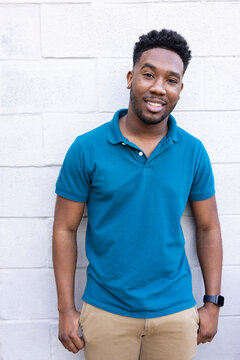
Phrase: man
(136, 174)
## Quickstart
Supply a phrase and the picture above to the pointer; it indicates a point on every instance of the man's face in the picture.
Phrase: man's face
(155, 83)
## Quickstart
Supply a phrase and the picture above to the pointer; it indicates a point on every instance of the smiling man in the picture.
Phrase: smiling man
(136, 173)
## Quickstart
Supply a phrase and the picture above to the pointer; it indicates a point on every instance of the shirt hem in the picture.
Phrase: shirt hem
(142, 314)
(202, 196)
(71, 196)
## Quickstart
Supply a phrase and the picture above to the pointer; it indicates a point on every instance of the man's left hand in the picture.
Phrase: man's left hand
(208, 315)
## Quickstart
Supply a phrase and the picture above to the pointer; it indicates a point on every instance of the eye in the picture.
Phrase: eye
(172, 81)
(148, 75)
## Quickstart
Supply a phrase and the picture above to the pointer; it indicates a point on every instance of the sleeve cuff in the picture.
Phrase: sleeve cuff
(200, 197)
(73, 197)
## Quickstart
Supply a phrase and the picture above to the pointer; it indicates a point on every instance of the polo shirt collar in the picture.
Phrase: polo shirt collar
(115, 135)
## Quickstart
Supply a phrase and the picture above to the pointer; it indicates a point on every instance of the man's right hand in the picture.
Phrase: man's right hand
(69, 322)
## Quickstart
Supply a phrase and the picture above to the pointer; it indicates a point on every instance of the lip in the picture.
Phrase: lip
(156, 101)
(154, 108)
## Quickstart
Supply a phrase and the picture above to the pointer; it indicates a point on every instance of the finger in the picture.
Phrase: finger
(68, 344)
(77, 341)
(202, 338)
(209, 339)
(206, 340)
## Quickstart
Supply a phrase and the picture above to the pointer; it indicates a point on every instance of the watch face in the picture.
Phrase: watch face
(220, 301)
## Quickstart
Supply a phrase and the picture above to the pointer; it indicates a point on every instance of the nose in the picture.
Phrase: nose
(158, 87)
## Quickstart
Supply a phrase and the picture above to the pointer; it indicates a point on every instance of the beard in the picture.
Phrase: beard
(150, 119)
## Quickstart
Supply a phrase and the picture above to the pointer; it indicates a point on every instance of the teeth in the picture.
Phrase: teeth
(154, 104)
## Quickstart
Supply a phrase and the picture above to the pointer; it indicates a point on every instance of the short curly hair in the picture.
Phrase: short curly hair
(166, 39)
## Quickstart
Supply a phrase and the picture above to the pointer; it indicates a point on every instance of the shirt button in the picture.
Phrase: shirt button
(140, 153)
(123, 143)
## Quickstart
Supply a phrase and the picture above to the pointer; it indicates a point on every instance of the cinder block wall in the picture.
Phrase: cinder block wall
(63, 72)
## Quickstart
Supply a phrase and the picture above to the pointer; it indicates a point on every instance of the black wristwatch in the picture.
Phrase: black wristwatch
(217, 299)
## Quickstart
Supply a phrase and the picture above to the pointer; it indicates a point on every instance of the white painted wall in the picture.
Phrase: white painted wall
(63, 67)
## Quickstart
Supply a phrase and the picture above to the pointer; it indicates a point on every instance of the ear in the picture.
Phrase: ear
(129, 79)
(180, 91)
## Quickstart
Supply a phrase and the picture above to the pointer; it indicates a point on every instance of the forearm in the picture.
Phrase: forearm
(64, 255)
(209, 250)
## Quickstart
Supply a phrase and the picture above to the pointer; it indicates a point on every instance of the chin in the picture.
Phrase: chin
(152, 120)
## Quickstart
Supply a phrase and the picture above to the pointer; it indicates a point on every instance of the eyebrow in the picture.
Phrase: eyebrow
(155, 68)
(149, 66)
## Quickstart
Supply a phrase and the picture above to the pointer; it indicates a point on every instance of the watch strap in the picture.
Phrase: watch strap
(216, 299)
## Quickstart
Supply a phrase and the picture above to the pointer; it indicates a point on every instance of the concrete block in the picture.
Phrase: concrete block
(112, 83)
(91, 30)
(80, 283)
(19, 32)
(230, 237)
(225, 345)
(186, 18)
(33, 187)
(227, 188)
(36, 293)
(25, 340)
(81, 260)
(48, 86)
(221, 83)
(60, 130)
(197, 285)
(21, 140)
(81, 235)
(59, 352)
(191, 97)
(196, 20)
(187, 210)
(24, 243)
(231, 277)
(219, 18)
(211, 128)
(67, 30)
(188, 228)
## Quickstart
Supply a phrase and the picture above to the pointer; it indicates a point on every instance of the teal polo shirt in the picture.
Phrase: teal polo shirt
(134, 241)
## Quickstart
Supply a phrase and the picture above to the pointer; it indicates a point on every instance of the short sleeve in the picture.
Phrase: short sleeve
(203, 185)
(73, 181)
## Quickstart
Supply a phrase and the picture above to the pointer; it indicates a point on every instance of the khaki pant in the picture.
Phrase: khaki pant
(110, 336)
